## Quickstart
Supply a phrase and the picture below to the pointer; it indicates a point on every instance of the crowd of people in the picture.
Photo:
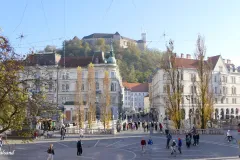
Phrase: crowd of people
(157, 126)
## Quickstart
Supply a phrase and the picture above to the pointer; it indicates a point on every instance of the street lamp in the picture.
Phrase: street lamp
(188, 97)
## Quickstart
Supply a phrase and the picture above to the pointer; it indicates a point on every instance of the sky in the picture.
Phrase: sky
(44, 22)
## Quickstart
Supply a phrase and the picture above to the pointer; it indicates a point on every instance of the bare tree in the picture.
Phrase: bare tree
(173, 87)
(79, 111)
(204, 72)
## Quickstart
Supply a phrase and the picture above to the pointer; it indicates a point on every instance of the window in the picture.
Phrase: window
(193, 77)
(67, 87)
(82, 87)
(226, 79)
(63, 87)
(233, 79)
(182, 89)
(220, 68)
(234, 90)
(181, 75)
(67, 75)
(112, 74)
(182, 100)
(193, 89)
(50, 87)
(215, 90)
(222, 100)
(215, 78)
(97, 86)
(113, 86)
(96, 74)
(227, 100)
(216, 101)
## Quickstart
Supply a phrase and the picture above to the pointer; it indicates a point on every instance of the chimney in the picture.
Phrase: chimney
(228, 61)
(188, 56)
(182, 55)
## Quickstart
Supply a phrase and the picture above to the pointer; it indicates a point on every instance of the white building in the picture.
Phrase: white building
(123, 41)
(225, 84)
(61, 77)
(134, 94)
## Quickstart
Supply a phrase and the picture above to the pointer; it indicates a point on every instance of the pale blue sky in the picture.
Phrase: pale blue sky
(182, 20)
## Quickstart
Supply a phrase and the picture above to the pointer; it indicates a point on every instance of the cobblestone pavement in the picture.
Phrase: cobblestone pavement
(124, 148)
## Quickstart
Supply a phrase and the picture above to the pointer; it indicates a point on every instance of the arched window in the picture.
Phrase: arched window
(232, 111)
(227, 111)
(222, 113)
(113, 86)
(236, 112)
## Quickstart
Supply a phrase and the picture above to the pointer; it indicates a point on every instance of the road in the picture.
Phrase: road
(125, 147)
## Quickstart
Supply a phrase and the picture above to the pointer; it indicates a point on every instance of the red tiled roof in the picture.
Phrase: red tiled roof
(193, 63)
(186, 63)
(136, 87)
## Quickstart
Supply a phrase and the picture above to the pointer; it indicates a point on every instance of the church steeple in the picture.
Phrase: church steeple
(111, 59)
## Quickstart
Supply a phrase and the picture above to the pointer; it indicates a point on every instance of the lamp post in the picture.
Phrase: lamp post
(189, 114)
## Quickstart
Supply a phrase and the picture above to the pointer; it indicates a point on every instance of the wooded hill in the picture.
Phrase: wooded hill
(135, 66)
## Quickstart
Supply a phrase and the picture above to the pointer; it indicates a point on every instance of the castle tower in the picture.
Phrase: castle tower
(144, 38)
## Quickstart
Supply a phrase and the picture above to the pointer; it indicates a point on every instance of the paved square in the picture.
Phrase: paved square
(125, 148)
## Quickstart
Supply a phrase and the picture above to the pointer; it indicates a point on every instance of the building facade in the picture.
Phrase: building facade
(61, 77)
(134, 94)
(123, 41)
(225, 86)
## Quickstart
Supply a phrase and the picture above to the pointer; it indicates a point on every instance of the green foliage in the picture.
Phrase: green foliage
(135, 65)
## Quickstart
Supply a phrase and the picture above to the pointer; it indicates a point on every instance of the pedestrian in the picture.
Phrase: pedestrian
(50, 152)
(63, 132)
(156, 126)
(81, 132)
(147, 127)
(197, 139)
(180, 145)
(79, 148)
(173, 147)
(160, 126)
(143, 144)
(139, 122)
(35, 134)
(150, 143)
(136, 124)
(188, 141)
(169, 137)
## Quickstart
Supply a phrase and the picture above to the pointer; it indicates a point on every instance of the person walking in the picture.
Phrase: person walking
(79, 148)
(143, 144)
(81, 132)
(197, 139)
(50, 152)
(150, 143)
(63, 132)
(156, 126)
(180, 145)
(188, 141)
(169, 137)
(160, 126)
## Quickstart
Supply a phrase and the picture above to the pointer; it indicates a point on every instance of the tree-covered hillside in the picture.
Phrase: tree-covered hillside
(135, 66)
